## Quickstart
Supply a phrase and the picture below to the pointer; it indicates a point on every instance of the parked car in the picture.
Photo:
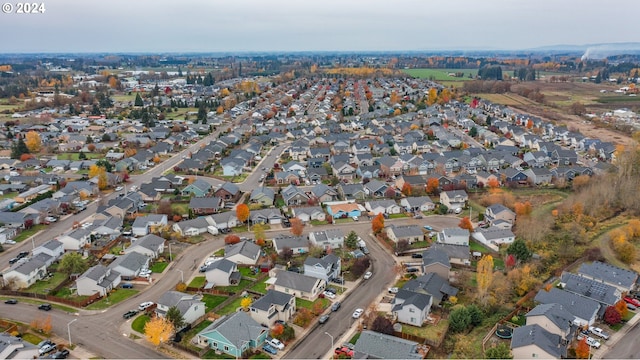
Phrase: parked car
(335, 306)
(357, 313)
(270, 349)
(127, 286)
(323, 319)
(10, 242)
(13, 260)
(329, 295)
(145, 305)
(428, 227)
(367, 275)
(393, 290)
(412, 270)
(45, 307)
(593, 342)
(119, 188)
(355, 218)
(599, 332)
(331, 290)
(417, 216)
(632, 307)
(62, 354)
(338, 281)
(129, 314)
(44, 342)
(47, 349)
(22, 254)
(275, 343)
(365, 250)
(343, 351)
(632, 301)
(416, 256)
(11, 301)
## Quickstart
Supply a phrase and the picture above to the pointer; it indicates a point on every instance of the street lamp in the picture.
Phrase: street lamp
(331, 336)
(69, 329)
(181, 275)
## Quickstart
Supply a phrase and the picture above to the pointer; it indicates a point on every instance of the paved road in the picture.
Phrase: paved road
(629, 349)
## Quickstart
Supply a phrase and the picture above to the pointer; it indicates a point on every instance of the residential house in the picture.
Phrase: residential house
(298, 285)
(197, 226)
(624, 280)
(412, 310)
(584, 309)
(12, 347)
(53, 248)
(233, 334)
(15, 220)
(189, 305)
(606, 295)
(499, 212)
(454, 236)
(199, 188)
(292, 195)
(75, 240)
(344, 210)
(222, 272)
(331, 238)
(97, 279)
(228, 192)
(150, 245)
(458, 254)
(351, 191)
(244, 252)
(262, 195)
(23, 275)
(142, 224)
(493, 236)
(205, 205)
(454, 199)
(386, 206)
(308, 213)
(375, 345)
(326, 268)
(129, 265)
(534, 342)
(286, 177)
(436, 261)
(225, 220)
(324, 193)
(538, 176)
(431, 284)
(375, 188)
(297, 244)
(265, 216)
(552, 317)
(273, 306)
(32, 193)
(408, 233)
(417, 204)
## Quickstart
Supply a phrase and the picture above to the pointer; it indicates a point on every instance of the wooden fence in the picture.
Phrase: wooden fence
(51, 298)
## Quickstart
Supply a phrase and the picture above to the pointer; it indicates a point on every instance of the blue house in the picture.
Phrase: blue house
(233, 334)
(344, 210)
(199, 188)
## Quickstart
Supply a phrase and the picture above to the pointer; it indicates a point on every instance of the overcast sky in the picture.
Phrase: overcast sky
(307, 25)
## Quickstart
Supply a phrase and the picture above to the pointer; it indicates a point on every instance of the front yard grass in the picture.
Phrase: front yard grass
(235, 288)
(198, 282)
(31, 338)
(43, 286)
(318, 222)
(428, 331)
(211, 301)
(260, 287)
(231, 307)
(186, 339)
(113, 298)
(159, 267)
(301, 303)
(397, 216)
(139, 323)
(29, 232)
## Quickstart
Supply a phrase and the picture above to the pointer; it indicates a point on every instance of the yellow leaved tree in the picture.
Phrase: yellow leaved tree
(484, 277)
(245, 302)
(101, 173)
(33, 141)
(158, 330)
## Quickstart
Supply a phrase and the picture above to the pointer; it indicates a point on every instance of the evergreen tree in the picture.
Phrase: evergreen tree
(138, 101)
(18, 148)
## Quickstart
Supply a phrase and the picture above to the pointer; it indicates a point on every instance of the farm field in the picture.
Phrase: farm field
(442, 74)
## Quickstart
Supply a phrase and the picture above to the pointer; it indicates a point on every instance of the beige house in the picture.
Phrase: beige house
(274, 305)
(534, 342)
(553, 318)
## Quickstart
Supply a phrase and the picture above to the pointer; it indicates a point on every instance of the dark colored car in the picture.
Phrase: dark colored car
(294, 269)
(338, 281)
(13, 261)
(23, 254)
(129, 314)
(416, 256)
(323, 319)
(412, 270)
(335, 306)
(127, 286)
(45, 307)
(331, 290)
(62, 354)
(270, 349)
(11, 301)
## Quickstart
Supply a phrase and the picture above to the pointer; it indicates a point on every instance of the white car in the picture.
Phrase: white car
(119, 188)
(393, 290)
(357, 313)
(10, 242)
(276, 343)
(599, 332)
(593, 342)
(145, 305)
(367, 275)
(329, 295)
(144, 272)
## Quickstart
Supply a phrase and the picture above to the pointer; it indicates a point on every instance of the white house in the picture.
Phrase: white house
(97, 279)
(326, 268)
(142, 224)
(130, 265)
(150, 245)
(195, 226)
(454, 236)
(409, 233)
(382, 207)
(454, 199)
(190, 307)
(75, 240)
(52, 248)
(494, 236)
(244, 252)
(333, 238)
(23, 275)
(421, 203)
(222, 273)
(273, 306)
(412, 308)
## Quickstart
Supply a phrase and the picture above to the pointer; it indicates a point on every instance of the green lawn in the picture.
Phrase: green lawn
(159, 267)
(211, 301)
(8, 195)
(235, 288)
(397, 216)
(318, 222)
(198, 282)
(301, 303)
(442, 74)
(355, 338)
(113, 298)
(230, 308)
(76, 156)
(427, 332)
(191, 333)
(180, 208)
(260, 287)
(29, 232)
(245, 271)
(475, 246)
(419, 244)
(43, 286)
(31, 338)
(139, 323)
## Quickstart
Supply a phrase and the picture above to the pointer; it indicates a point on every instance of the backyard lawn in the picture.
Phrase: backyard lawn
(211, 301)
(113, 298)
(230, 308)
(139, 323)
(198, 282)
(428, 332)
(235, 288)
(245, 271)
(260, 287)
(43, 286)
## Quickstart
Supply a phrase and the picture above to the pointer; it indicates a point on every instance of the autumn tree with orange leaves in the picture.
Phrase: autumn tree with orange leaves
(465, 223)
(406, 189)
(242, 212)
(523, 209)
(432, 185)
(493, 183)
(377, 224)
(582, 349)
(296, 226)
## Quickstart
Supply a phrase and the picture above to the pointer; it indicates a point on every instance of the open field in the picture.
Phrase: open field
(442, 74)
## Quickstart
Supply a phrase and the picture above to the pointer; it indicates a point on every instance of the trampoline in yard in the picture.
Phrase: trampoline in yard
(504, 332)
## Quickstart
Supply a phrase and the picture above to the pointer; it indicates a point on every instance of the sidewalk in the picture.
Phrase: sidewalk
(617, 336)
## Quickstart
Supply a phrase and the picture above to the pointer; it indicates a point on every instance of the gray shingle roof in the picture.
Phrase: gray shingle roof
(453, 251)
(28, 266)
(431, 284)
(237, 328)
(383, 346)
(602, 293)
(555, 313)
(245, 248)
(132, 261)
(224, 265)
(52, 244)
(418, 201)
(609, 274)
(407, 231)
(291, 280)
(433, 255)
(151, 242)
(577, 305)
(535, 334)
(270, 298)
(95, 272)
(289, 241)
